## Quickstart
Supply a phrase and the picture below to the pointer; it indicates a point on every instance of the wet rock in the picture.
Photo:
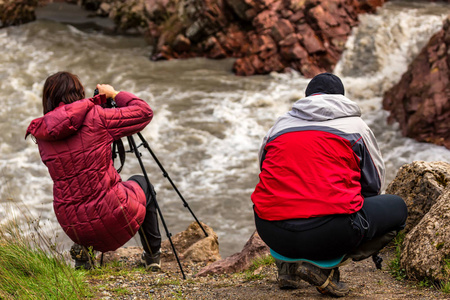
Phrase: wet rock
(181, 44)
(425, 187)
(243, 67)
(309, 39)
(259, 32)
(88, 4)
(281, 29)
(215, 49)
(17, 12)
(233, 40)
(264, 21)
(192, 245)
(156, 9)
(129, 15)
(420, 102)
(420, 184)
(239, 7)
(253, 249)
(256, 32)
(104, 9)
(426, 249)
(294, 51)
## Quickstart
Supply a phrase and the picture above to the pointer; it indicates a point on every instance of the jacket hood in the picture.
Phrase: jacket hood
(63, 121)
(324, 107)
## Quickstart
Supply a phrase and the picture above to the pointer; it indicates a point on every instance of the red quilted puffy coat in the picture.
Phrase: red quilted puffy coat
(93, 206)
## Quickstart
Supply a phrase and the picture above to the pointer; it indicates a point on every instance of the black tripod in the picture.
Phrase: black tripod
(135, 149)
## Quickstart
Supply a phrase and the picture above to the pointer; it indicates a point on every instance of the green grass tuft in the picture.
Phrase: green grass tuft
(262, 261)
(30, 269)
(445, 287)
(445, 284)
(395, 267)
(258, 263)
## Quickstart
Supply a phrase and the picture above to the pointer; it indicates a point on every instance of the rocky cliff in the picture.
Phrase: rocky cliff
(264, 35)
(17, 12)
(420, 102)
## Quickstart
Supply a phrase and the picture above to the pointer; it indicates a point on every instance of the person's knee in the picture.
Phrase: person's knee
(400, 206)
(137, 178)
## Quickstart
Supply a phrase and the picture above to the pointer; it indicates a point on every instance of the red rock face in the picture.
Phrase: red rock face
(18, 12)
(265, 35)
(420, 102)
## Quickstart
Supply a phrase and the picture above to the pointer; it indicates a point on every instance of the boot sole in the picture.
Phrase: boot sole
(288, 283)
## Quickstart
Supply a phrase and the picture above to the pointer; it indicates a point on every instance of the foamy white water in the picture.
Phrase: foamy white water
(208, 123)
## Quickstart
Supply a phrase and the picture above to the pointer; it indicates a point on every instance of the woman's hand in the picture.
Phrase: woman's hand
(107, 89)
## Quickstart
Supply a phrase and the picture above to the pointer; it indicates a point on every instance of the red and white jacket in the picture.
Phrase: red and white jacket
(319, 159)
(92, 204)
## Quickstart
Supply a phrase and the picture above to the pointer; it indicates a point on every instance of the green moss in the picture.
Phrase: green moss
(440, 245)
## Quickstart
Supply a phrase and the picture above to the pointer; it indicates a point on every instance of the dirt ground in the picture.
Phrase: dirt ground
(364, 280)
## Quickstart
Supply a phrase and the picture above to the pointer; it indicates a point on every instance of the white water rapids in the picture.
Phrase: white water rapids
(208, 123)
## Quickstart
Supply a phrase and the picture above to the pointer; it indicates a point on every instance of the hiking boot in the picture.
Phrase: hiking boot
(152, 262)
(334, 287)
(325, 280)
(287, 274)
(81, 257)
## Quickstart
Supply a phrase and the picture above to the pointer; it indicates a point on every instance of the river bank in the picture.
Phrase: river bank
(121, 276)
(129, 281)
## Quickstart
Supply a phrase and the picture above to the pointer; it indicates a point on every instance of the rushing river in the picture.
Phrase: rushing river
(208, 123)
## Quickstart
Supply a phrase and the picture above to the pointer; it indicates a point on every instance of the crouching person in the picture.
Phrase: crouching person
(318, 196)
(95, 208)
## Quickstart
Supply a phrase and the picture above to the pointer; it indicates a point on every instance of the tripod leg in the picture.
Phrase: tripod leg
(169, 235)
(185, 204)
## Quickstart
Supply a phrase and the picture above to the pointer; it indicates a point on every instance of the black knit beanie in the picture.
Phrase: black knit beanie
(325, 83)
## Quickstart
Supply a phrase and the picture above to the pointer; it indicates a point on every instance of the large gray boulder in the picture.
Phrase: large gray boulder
(425, 187)
(420, 184)
(426, 252)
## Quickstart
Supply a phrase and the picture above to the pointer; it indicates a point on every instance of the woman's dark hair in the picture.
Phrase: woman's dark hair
(61, 87)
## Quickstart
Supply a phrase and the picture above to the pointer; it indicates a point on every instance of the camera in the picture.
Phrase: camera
(110, 103)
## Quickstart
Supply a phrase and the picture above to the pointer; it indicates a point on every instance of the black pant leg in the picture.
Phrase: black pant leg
(149, 230)
(383, 213)
(333, 239)
(380, 218)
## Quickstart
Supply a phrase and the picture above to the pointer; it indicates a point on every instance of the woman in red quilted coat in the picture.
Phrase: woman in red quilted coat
(92, 204)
